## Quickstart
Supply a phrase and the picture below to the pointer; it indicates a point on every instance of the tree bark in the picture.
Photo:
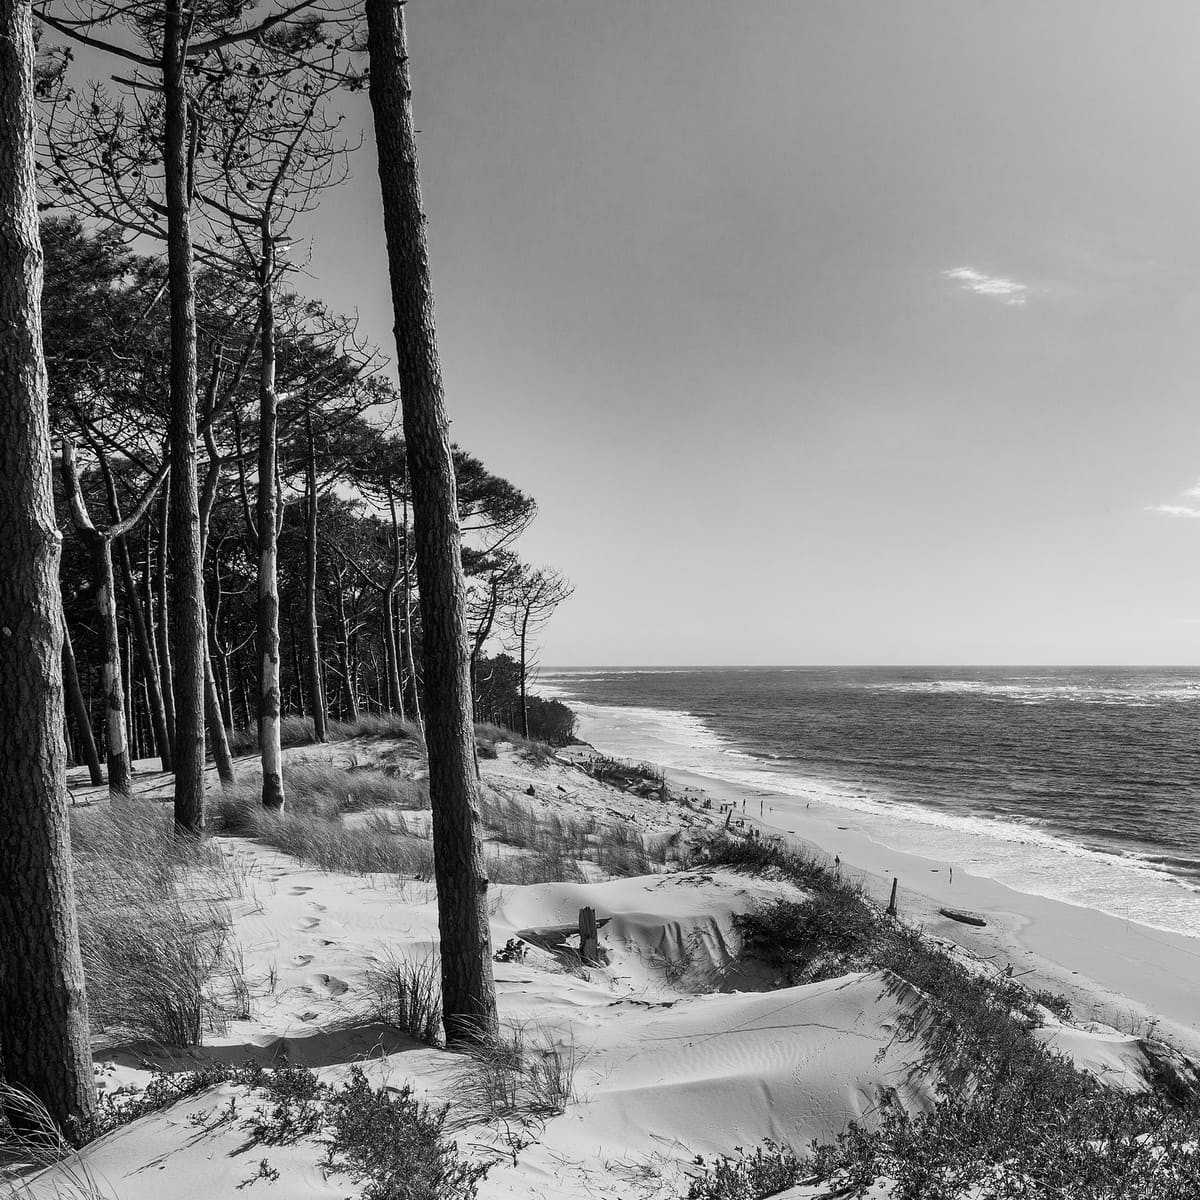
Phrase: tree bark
(216, 727)
(316, 692)
(391, 653)
(79, 709)
(524, 676)
(162, 626)
(468, 986)
(116, 735)
(43, 1012)
(268, 540)
(412, 697)
(187, 593)
(349, 674)
(141, 635)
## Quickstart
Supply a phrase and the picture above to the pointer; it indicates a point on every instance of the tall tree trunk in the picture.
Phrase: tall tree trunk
(316, 692)
(79, 710)
(188, 624)
(43, 1012)
(250, 718)
(131, 725)
(348, 672)
(268, 539)
(216, 726)
(524, 676)
(224, 689)
(468, 986)
(141, 637)
(412, 697)
(391, 654)
(162, 626)
(116, 735)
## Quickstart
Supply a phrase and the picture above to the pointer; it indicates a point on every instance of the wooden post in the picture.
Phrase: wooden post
(891, 908)
(589, 942)
(728, 818)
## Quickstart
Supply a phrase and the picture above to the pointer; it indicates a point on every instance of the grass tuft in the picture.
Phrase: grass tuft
(406, 994)
(154, 925)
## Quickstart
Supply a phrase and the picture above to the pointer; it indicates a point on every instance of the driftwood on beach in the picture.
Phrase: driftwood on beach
(965, 918)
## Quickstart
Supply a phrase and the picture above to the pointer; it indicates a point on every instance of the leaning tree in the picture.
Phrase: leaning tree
(468, 986)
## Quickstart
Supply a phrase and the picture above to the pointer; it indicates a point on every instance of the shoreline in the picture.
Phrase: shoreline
(1125, 974)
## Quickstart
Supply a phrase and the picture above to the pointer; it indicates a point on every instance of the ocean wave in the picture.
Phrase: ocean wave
(1037, 692)
(1022, 852)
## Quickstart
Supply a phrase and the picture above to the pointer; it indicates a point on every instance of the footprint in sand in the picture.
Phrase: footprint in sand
(329, 985)
(301, 960)
(308, 922)
(298, 891)
(315, 906)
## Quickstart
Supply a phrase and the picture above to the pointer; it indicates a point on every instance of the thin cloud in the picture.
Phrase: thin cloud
(1007, 291)
(1174, 510)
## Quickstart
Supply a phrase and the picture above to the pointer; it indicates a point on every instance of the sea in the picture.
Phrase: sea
(1080, 784)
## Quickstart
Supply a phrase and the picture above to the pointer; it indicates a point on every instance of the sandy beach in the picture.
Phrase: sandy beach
(1123, 973)
(1115, 970)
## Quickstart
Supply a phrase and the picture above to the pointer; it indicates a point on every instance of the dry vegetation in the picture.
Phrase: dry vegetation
(298, 731)
(1013, 1118)
(154, 927)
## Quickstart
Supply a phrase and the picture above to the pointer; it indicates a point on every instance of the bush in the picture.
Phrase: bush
(821, 937)
(383, 1139)
(393, 1144)
(767, 1170)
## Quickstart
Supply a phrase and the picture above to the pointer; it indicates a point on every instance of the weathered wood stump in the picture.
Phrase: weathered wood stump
(589, 942)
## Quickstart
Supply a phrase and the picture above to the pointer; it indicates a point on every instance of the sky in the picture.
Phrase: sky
(822, 331)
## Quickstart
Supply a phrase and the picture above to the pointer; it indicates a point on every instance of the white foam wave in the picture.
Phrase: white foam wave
(1020, 853)
(1046, 691)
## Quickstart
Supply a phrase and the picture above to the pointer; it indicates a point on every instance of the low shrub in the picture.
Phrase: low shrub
(747, 1175)
(393, 1144)
(641, 777)
(383, 1139)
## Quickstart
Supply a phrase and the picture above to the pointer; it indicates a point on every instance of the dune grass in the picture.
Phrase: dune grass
(616, 847)
(406, 994)
(515, 1071)
(154, 926)
(296, 730)
(489, 737)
